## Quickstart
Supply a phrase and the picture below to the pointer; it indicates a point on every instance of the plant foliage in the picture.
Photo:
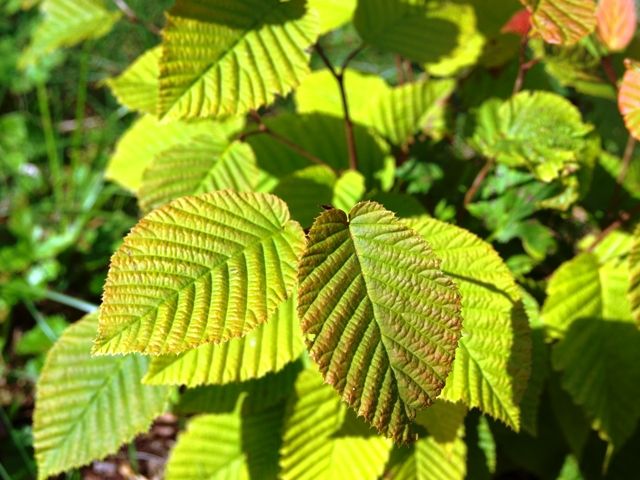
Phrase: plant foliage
(377, 239)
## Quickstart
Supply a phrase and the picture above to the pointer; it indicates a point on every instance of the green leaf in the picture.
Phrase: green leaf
(586, 287)
(539, 130)
(394, 113)
(563, 22)
(634, 268)
(267, 348)
(199, 270)
(313, 447)
(539, 366)
(599, 360)
(404, 206)
(261, 393)
(411, 28)
(228, 446)
(204, 165)
(227, 57)
(470, 41)
(400, 112)
(146, 138)
(81, 397)
(441, 455)
(333, 13)
(37, 341)
(137, 87)
(328, 143)
(543, 132)
(319, 93)
(492, 362)
(305, 190)
(67, 23)
(386, 343)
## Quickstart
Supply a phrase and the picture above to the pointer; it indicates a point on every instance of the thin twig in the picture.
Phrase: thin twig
(621, 220)
(524, 66)
(475, 185)
(348, 125)
(262, 128)
(607, 65)
(131, 15)
(399, 69)
(409, 68)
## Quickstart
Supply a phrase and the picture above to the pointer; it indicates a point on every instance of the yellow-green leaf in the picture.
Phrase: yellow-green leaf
(204, 165)
(634, 269)
(333, 13)
(318, 438)
(200, 270)
(386, 343)
(228, 446)
(229, 56)
(137, 87)
(267, 348)
(586, 287)
(81, 397)
(399, 112)
(492, 362)
(67, 23)
(411, 28)
(146, 138)
(440, 455)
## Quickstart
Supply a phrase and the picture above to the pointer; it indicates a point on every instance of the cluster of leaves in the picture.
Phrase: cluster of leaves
(295, 330)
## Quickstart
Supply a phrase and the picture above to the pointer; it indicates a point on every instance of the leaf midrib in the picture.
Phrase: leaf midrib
(228, 51)
(177, 292)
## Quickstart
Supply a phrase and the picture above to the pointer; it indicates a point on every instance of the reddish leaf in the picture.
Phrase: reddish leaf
(519, 23)
(616, 23)
(629, 98)
(562, 22)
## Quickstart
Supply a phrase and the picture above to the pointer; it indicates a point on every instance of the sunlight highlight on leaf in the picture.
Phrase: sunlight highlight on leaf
(227, 57)
(492, 363)
(82, 397)
(267, 348)
(321, 441)
(200, 270)
(204, 165)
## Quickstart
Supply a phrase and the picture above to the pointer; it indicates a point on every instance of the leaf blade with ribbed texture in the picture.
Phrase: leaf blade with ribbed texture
(440, 455)
(387, 342)
(228, 446)
(67, 23)
(585, 287)
(146, 138)
(312, 448)
(252, 50)
(199, 270)
(410, 28)
(78, 394)
(267, 348)
(402, 111)
(137, 87)
(492, 362)
(563, 22)
(204, 165)
(634, 269)
(628, 96)
(616, 22)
